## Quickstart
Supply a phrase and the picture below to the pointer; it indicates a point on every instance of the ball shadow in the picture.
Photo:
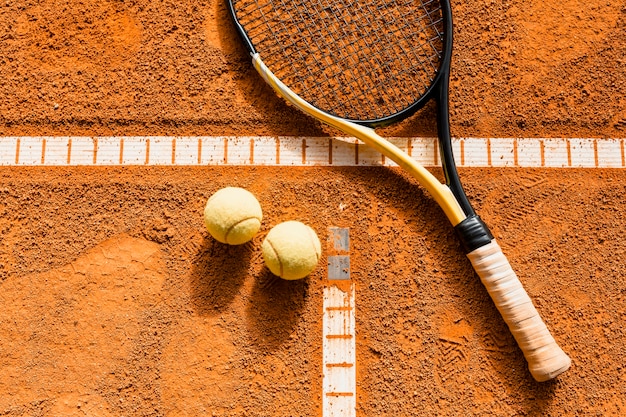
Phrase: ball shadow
(274, 309)
(218, 272)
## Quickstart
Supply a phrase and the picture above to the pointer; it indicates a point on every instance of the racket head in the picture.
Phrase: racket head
(371, 62)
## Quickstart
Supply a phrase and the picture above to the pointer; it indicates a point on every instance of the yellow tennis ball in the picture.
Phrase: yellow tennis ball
(291, 250)
(233, 215)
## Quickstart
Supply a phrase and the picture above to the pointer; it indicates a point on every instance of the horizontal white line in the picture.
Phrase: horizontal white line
(304, 151)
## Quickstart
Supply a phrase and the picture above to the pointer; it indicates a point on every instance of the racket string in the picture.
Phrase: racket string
(349, 66)
(353, 61)
(360, 60)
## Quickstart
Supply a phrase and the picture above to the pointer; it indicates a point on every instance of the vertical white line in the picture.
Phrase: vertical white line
(339, 353)
(339, 331)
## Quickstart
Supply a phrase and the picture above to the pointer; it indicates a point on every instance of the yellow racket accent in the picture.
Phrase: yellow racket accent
(440, 192)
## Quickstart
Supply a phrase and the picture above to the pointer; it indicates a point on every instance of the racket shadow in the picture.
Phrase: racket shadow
(442, 263)
(421, 124)
(400, 189)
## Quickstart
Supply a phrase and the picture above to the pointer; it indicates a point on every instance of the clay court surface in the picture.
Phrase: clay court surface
(115, 301)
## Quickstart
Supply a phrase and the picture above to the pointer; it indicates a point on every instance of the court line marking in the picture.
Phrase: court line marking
(304, 151)
(338, 330)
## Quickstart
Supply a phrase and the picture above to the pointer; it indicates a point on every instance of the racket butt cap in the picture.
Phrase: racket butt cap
(545, 372)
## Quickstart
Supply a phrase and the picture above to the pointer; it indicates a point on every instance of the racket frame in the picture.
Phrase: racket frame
(546, 359)
(442, 72)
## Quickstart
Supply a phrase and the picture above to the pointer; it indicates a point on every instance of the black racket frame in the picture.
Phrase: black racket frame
(472, 232)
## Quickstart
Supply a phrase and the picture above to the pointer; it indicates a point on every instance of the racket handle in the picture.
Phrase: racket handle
(545, 358)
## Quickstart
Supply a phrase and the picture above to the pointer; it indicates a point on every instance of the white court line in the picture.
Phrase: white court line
(305, 151)
(339, 330)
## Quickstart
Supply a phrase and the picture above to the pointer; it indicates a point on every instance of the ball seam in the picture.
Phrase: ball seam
(230, 229)
(280, 262)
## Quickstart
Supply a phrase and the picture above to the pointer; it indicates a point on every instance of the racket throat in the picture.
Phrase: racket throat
(473, 233)
(445, 144)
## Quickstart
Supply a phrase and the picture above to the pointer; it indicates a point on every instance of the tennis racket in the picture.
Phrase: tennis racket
(358, 65)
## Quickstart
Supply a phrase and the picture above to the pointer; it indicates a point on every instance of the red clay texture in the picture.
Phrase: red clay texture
(115, 301)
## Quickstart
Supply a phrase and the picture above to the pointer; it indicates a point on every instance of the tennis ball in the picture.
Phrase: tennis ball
(291, 250)
(233, 215)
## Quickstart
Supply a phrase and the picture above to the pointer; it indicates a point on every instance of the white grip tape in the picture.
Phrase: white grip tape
(545, 358)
